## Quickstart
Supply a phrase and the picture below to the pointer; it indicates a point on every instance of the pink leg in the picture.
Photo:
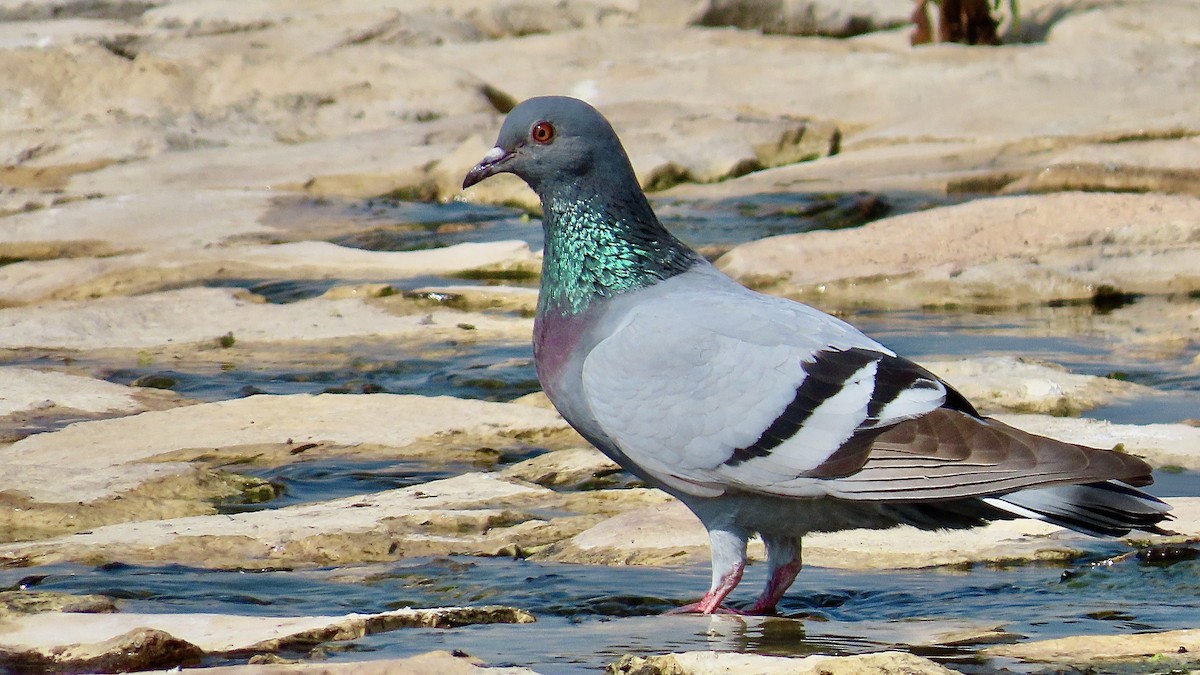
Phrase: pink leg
(711, 602)
(781, 579)
(783, 556)
(728, 562)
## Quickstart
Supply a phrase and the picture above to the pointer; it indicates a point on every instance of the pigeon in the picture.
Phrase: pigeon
(762, 415)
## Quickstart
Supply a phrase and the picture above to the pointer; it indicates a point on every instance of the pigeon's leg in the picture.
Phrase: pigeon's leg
(728, 563)
(783, 564)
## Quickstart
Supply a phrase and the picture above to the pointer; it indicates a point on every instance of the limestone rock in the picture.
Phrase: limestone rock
(128, 641)
(1175, 648)
(469, 514)
(565, 468)
(117, 446)
(1019, 385)
(429, 663)
(989, 252)
(203, 315)
(23, 389)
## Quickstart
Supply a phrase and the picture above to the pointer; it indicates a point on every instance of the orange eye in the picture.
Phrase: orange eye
(542, 132)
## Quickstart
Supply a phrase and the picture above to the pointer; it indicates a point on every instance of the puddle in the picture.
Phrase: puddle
(390, 225)
(589, 616)
(724, 223)
(493, 372)
(324, 479)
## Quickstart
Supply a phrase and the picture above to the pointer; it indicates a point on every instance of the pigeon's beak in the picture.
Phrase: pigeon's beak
(491, 164)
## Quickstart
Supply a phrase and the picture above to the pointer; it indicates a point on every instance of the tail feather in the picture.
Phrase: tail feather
(1101, 509)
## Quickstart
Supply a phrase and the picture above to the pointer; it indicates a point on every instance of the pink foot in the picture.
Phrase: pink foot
(711, 602)
(698, 608)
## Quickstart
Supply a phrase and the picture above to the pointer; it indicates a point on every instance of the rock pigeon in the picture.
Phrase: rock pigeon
(763, 415)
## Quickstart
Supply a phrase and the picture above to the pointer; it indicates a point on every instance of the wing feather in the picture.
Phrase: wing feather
(754, 393)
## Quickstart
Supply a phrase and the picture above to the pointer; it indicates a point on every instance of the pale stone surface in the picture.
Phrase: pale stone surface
(309, 533)
(225, 632)
(728, 663)
(1000, 251)
(161, 220)
(205, 314)
(429, 663)
(1175, 644)
(563, 468)
(1016, 384)
(29, 389)
(117, 448)
(95, 277)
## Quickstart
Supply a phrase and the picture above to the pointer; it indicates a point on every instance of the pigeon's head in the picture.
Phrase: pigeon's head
(552, 141)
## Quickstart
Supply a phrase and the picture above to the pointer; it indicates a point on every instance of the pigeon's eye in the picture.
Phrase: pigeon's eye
(542, 132)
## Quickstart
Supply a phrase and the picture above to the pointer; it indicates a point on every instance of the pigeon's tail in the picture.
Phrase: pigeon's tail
(1102, 509)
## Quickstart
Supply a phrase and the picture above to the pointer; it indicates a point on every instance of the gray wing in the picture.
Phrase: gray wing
(709, 387)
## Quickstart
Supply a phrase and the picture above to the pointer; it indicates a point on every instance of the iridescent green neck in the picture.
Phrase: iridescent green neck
(598, 250)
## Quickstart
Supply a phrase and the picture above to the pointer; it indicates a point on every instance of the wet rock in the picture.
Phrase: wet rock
(127, 641)
(1167, 650)
(705, 663)
(990, 252)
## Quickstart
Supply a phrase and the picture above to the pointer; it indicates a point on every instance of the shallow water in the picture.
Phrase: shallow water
(589, 616)
(493, 372)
